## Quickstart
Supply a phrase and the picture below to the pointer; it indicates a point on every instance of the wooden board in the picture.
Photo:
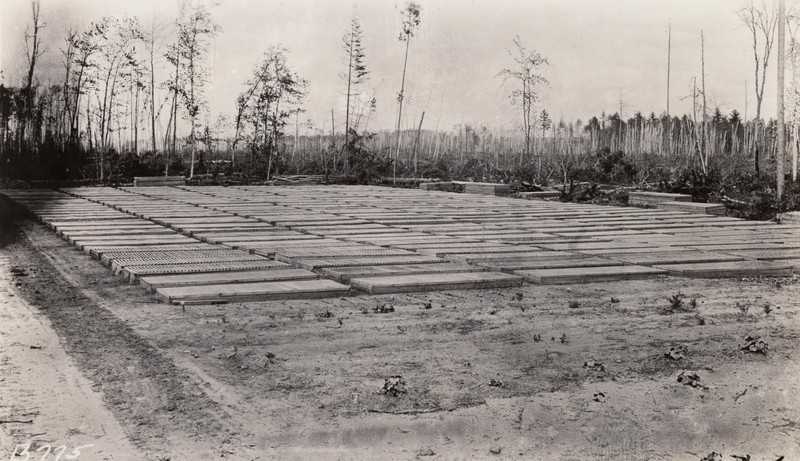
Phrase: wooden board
(730, 269)
(473, 257)
(313, 264)
(133, 272)
(691, 207)
(499, 248)
(594, 246)
(207, 227)
(654, 198)
(288, 254)
(146, 253)
(169, 235)
(345, 274)
(133, 224)
(399, 241)
(589, 274)
(88, 245)
(143, 230)
(746, 245)
(648, 250)
(258, 291)
(221, 278)
(118, 265)
(679, 257)
(795, 263)
(457, 245)
(545, 194)
(767, 254)
(99, 251)
(256, 237)
(523, 264)
(441, 281)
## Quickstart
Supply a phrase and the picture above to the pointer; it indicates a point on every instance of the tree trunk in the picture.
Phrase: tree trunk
(193, 109)
(136, 122)
(34, 56)
(103, 107)
(347, 110)
(174, 115)
(416, 143)
(703, 153)
(400, 111)
(669, 62)
(153, 98)
(781, 69)
(74, 133)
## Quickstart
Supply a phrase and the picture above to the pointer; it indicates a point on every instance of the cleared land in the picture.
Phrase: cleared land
(509, 370)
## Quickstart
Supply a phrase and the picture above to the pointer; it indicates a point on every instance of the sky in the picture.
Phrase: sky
(604, 55)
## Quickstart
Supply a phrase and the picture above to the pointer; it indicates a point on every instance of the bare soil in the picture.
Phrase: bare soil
(488, 374)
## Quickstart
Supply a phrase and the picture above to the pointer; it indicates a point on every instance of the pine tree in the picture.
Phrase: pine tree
(545, 122)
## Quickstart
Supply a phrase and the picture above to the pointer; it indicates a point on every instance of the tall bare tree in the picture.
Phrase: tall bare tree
(87, 45)
(33, 52)
(68, 54)
(793, 91)
(761, 21)
(410, 21)
(527, 81)
(356, 75)
(703, 132)
(669, 60)
(118, 56)
(173, 57)
(152, 43)
(781, 71)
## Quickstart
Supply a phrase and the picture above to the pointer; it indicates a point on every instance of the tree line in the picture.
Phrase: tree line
(114, 114)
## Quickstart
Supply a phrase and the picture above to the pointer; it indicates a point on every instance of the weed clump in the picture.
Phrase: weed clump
(394, 386)
(383, 309)
(677, 303)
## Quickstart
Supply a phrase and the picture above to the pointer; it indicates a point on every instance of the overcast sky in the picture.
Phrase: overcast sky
(600, 52)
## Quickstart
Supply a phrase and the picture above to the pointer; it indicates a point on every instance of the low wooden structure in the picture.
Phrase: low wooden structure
(654, 198)
(158, 181)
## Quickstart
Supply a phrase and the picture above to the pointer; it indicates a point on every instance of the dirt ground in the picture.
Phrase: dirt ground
(488, 374)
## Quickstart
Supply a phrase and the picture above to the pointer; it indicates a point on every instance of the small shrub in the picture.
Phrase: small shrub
(743, 308)
(677, 304)
(367, 166)
(700, 320)
(383, 309)
(394, 386)
(574, 304)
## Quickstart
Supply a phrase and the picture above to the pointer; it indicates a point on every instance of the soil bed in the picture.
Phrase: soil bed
(482, 370)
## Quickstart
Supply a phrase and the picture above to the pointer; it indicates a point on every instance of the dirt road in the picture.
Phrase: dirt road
(488, 374)
(44, 398)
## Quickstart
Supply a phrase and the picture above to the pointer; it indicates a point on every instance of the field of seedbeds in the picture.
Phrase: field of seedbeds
(343, 321)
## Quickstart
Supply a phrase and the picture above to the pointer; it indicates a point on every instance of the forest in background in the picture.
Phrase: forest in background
(112, 118)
